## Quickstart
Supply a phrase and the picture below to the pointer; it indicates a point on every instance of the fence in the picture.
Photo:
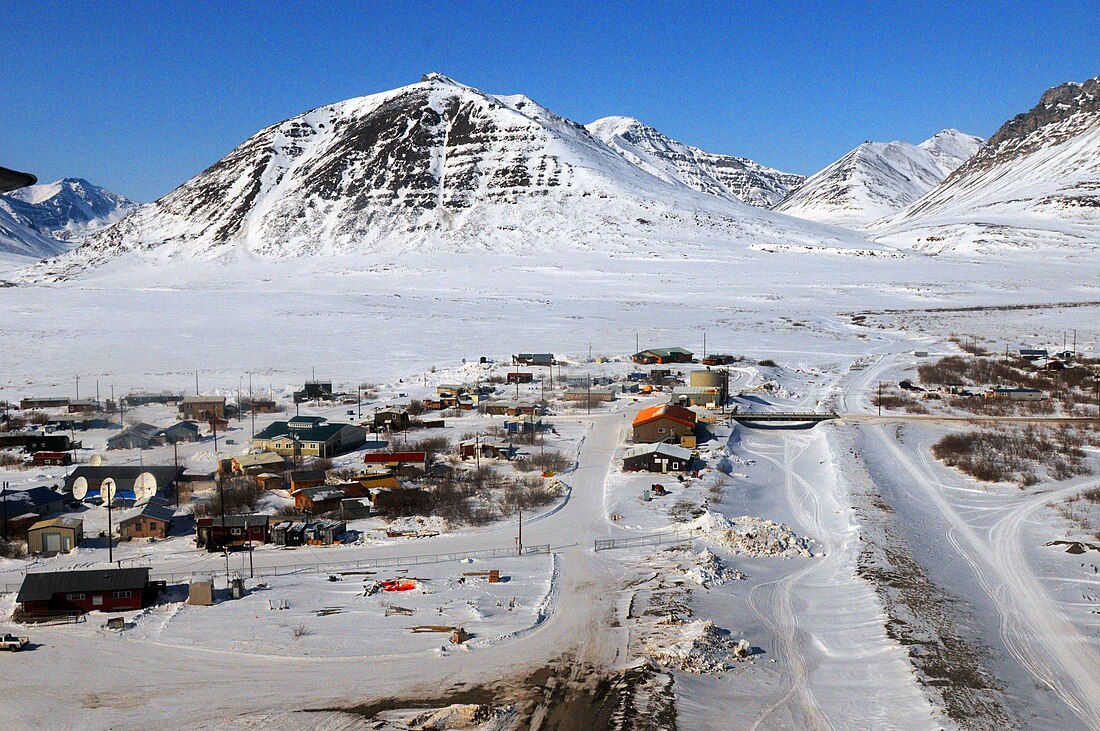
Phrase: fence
(653, 539)
(303, 567)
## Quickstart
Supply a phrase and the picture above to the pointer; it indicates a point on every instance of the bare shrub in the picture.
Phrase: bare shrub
(11, 459)
(13, 549)
(37, 417)
(768, 363)
(431, 446)
(300, 631)
(321, 463)
(549, 460)
(415, 407)
(992, 455)
(240, 493)
(684, 511)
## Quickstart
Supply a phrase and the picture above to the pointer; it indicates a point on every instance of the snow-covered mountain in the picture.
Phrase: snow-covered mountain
(878, 179)
(19, 239)
(432, 167)
(66, 209)
(1036, 183)
(721, 175)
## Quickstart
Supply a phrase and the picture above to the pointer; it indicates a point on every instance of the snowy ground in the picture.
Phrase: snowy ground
(837, 642)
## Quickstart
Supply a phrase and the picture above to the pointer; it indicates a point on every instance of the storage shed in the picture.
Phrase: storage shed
(59, 535)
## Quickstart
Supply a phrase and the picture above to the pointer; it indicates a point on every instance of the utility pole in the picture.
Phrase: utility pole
(520, 542)
(196, 383)
(880, 398)
(176, 460)
(589, 399)
(251, 405)
(214, 428)
(78, 388)
(110, 526)
(248, 533)
(704, 345)
(5, 494)
(359, 398)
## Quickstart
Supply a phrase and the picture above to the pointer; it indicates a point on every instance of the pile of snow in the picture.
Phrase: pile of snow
(708, 570)
(419, 524)
(701, 648)
(751, 536)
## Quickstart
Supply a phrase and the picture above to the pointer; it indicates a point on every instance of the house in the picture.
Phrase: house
(524, 425)
(403, 463)
(36, 442)
(533, 359)
(57, 535)
(48, 459)
(1017, 394)
(84, 406)
(521, 377)
(164, 478)
(391, 418)
(381, 499)
(489, 448)
(301, 479)
(663, 423)
(662, 355)
(590, 395)
(299, 532)
(107, 590)
(77, 422)
(152, 520)
(511, 408)
(704, 396)
(182, 431)
(658, 457)
(309, 437)
(259, 405)
(326, 498)
(144, 398)
(214, 534)
(202, 408)
(719, 359)
(253, 464)
(314, 391)
(44, 402)
(137, 436)
(586, 380)
(37, 500)
(1034, 353)
(269, 481)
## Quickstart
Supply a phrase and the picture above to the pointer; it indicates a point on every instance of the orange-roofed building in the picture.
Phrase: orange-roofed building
(663, 423)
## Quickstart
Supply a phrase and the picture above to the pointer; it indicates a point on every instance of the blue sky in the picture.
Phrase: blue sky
(140, 96)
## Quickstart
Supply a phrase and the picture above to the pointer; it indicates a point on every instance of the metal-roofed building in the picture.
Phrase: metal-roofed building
(306, 436)
(657, 458)
(85, 591)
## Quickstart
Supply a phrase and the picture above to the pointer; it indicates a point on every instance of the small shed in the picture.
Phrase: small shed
(59, 535)
(201, 592)
(659, 457)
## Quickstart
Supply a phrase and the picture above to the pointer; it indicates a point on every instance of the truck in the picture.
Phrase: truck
(13, 643)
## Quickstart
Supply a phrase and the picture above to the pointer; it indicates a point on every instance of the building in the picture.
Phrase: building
(524, 425)
(533, 359)
(77, 422)
(152, 520)
(137, 436)
(51, 459)
(253, 464)
(719, 359)
(391, 418)
(235, 531)
(656, 458)
(663, 423)
(308, 436)
(84, 406)
(298, 532)
(400, 462)
(124, 476)
(586, 380)
(592, 395)
(44, 402)
(144, 398)
(488, 447)
(259, 405)
(521, 377)
(1017, 394)
(39, 501)
(301, 479)
(511, 408)
(182, 431)
(661, 356)
(107, 590)
(314, 391)
(202, 408)
(57, 535)
(326, 498)
(36, 442)
(1034, 353)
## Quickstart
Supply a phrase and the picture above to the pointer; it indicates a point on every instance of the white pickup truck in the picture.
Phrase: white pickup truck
(13, 643)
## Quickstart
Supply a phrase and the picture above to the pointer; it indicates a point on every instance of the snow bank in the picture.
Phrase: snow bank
(708, 570)
(701, 648)
(751, 536)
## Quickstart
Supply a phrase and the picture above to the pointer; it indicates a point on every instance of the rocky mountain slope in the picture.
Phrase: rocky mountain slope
(19, 239)
(721, 175)
(43, 220)
(431, 167)
(1036, 183)
(878, 179)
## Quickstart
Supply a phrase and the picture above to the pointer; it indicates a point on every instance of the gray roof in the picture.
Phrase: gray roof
(41, 586)
(666, 450)
(123, 475)
(36, 496)
(156, 510)
(239, 521)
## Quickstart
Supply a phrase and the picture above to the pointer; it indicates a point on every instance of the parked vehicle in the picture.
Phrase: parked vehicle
(13, 643)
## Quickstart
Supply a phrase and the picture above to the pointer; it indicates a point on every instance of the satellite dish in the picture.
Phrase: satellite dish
(145, 487)
(80, 488)
(107, 491)
(96, 460)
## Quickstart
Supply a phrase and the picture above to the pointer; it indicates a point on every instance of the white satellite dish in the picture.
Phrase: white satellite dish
(145, 487)
(107, 490)
(80, 488)
(96, 460)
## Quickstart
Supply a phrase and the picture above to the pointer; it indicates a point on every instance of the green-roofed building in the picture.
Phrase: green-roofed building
(663, 355)
(309, 437)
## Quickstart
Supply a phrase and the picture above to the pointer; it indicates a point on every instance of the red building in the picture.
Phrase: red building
(397, 460)
(521, 377)
(236, 531)
(44, 459)
(107, 590)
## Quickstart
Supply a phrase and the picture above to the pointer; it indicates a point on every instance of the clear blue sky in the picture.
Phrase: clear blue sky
(139, 96)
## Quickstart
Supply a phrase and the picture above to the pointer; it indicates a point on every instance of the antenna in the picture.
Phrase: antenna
(107, 490)
(80, 488)
(95, 461)
(145, 487)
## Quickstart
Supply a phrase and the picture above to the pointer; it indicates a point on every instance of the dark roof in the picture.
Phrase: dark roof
(297, 475)
(320, 433)
(160, 511)
(236, 521)
(41, 586)
(123, 475)
(36, 496)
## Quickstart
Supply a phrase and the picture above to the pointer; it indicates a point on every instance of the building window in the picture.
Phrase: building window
(235, 531)
(74, 597)
(124, 594)
(97, 600)
(661, 430)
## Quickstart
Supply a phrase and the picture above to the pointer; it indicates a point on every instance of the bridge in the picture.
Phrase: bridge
(783, 417)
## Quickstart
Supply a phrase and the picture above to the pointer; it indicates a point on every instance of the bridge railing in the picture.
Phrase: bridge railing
(653, 539)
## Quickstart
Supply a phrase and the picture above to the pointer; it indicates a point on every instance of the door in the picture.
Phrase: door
(51, 542)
